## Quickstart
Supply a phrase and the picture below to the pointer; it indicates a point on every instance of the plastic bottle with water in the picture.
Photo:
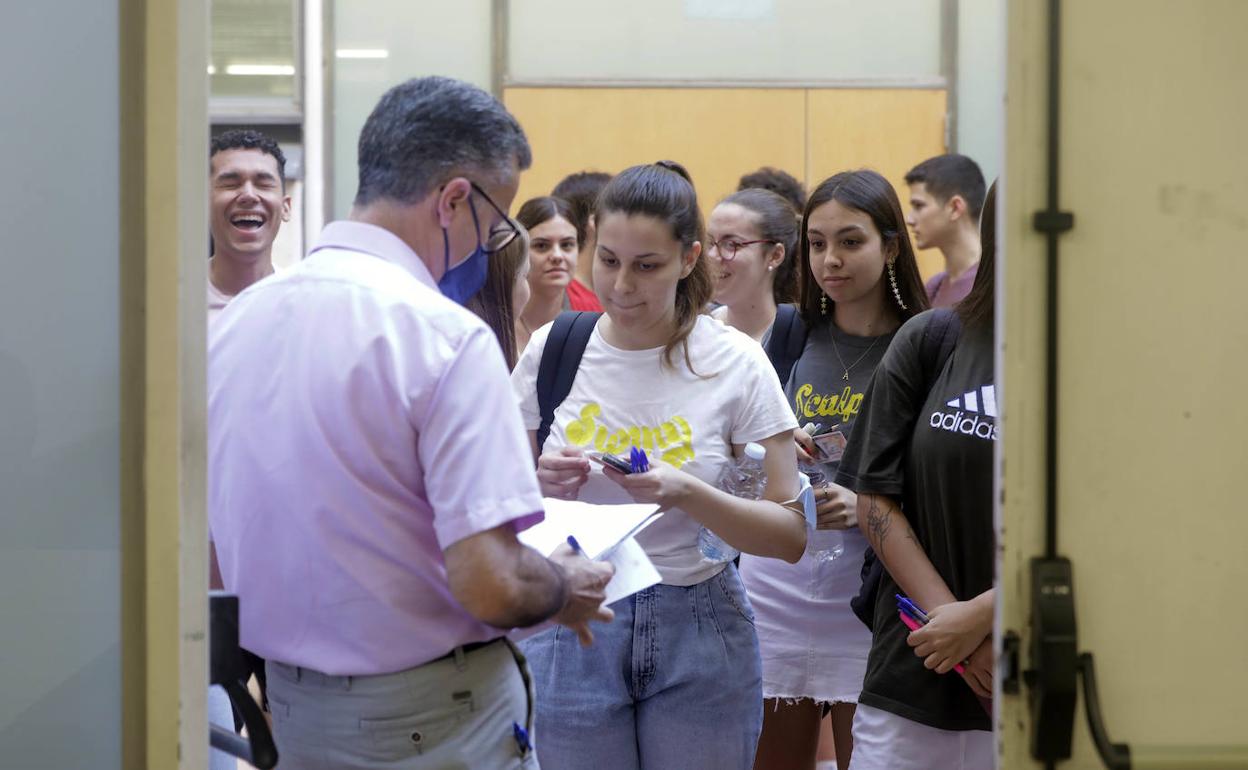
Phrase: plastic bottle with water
(743, 478)
(823, 545)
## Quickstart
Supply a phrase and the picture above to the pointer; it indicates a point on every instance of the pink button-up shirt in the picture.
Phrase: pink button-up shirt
(358, 424)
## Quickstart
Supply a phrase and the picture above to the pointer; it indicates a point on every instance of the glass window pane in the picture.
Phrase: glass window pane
(254, 51)
(791, 40)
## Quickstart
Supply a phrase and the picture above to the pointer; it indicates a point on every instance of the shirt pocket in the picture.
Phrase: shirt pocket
(394, 738)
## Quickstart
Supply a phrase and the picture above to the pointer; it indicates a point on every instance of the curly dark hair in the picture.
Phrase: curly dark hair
(248, 139)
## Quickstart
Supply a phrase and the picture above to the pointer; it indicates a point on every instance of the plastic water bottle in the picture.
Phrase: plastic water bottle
(824, 545)
(743, 478)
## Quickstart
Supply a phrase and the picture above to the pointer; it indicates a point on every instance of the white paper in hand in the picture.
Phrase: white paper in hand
(604, 532)
(633, 571)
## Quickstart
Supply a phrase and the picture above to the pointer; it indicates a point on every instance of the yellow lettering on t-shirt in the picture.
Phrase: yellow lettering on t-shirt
(672, 439)
(808, 403)
(581, 432)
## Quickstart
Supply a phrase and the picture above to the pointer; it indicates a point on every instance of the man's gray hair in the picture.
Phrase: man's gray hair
(428, 130)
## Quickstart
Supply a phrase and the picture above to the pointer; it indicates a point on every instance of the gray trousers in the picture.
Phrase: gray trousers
(459, 712)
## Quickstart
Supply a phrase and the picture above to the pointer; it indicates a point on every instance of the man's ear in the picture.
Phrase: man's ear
(690, 259)
(286, 208)
(957, 207)
(450, 196)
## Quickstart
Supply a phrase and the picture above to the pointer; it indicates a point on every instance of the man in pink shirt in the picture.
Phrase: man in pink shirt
(368, 470)
(946, 197)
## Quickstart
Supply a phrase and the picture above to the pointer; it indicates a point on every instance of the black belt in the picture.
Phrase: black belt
(467, 648)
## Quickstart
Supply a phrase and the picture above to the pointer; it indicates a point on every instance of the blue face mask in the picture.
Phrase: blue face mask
(463, 281)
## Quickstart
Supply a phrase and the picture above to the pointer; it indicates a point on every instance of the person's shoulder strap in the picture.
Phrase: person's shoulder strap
(939, 337)
(569, 335)
(787, 341)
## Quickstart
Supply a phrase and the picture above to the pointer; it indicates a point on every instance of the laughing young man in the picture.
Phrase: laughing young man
(248, 205)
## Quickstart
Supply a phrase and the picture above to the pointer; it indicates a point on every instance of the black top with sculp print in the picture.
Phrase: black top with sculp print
(932, 451)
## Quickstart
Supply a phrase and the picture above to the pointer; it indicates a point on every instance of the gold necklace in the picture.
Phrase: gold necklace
(835, 350)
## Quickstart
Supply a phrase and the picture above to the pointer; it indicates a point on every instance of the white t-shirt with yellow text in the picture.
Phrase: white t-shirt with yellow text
(688, 419)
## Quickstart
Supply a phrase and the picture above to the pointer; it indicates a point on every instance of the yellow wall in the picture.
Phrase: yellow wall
(1152, 369)
(720, 134)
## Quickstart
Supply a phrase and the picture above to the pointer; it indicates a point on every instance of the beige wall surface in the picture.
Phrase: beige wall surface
(720, 134)
(1153, 370)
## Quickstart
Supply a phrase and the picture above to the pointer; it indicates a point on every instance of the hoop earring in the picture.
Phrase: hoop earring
(823, 304)
(892, 279)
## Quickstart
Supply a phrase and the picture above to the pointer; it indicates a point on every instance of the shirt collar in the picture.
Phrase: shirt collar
(376, 241)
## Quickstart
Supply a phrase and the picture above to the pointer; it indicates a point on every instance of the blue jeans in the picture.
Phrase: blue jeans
(673, 682)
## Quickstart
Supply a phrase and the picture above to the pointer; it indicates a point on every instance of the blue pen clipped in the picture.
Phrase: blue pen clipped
(522, 738)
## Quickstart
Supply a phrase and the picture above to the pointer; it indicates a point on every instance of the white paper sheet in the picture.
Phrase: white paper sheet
(633, 571)
(604, 532)
(598, 528)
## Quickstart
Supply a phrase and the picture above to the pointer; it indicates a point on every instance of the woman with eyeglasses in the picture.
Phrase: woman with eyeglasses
(674, 680)
(553, 244)
(858, 283)
(751, 240)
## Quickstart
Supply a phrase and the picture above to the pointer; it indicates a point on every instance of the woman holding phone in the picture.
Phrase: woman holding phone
(674, 680)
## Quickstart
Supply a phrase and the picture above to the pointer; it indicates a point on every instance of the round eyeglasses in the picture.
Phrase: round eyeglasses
(728, 248)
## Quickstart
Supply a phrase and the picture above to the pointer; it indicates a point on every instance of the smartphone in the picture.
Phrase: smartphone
(618, 463)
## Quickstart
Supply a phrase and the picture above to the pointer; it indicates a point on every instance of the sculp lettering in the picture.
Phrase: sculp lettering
(808, 403)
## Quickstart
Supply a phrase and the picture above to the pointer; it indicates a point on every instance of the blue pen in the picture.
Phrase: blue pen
(522, 738)
(638, 460)
(576, 547)
(905, 610)
(912, 609)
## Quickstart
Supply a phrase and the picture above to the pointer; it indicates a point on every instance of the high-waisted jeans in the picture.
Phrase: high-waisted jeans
(673, 683)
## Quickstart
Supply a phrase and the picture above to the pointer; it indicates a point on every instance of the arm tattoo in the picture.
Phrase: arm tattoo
(878, 523)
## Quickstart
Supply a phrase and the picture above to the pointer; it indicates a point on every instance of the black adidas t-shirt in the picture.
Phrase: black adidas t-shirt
(933, 452)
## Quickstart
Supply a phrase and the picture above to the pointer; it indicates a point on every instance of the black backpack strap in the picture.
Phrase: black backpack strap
(939, 337)
(560, 360)
(787, 341)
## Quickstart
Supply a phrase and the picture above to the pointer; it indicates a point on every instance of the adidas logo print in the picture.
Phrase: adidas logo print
(979, 401)
(975, 414)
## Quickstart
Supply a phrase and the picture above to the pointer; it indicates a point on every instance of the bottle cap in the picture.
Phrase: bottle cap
(755, 451)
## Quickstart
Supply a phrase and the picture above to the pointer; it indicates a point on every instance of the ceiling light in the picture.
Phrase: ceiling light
(260, 69)
(212, 70)
(362, 53)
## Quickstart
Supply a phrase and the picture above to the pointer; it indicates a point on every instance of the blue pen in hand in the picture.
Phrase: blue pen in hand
(911, 609)
(638, 460)
(576, 547)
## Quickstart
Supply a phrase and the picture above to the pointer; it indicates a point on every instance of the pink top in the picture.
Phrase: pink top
(942, 292)
(358, 424)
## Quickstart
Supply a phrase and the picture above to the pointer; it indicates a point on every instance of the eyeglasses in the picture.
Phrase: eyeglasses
(502, 233)
(728, 249)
